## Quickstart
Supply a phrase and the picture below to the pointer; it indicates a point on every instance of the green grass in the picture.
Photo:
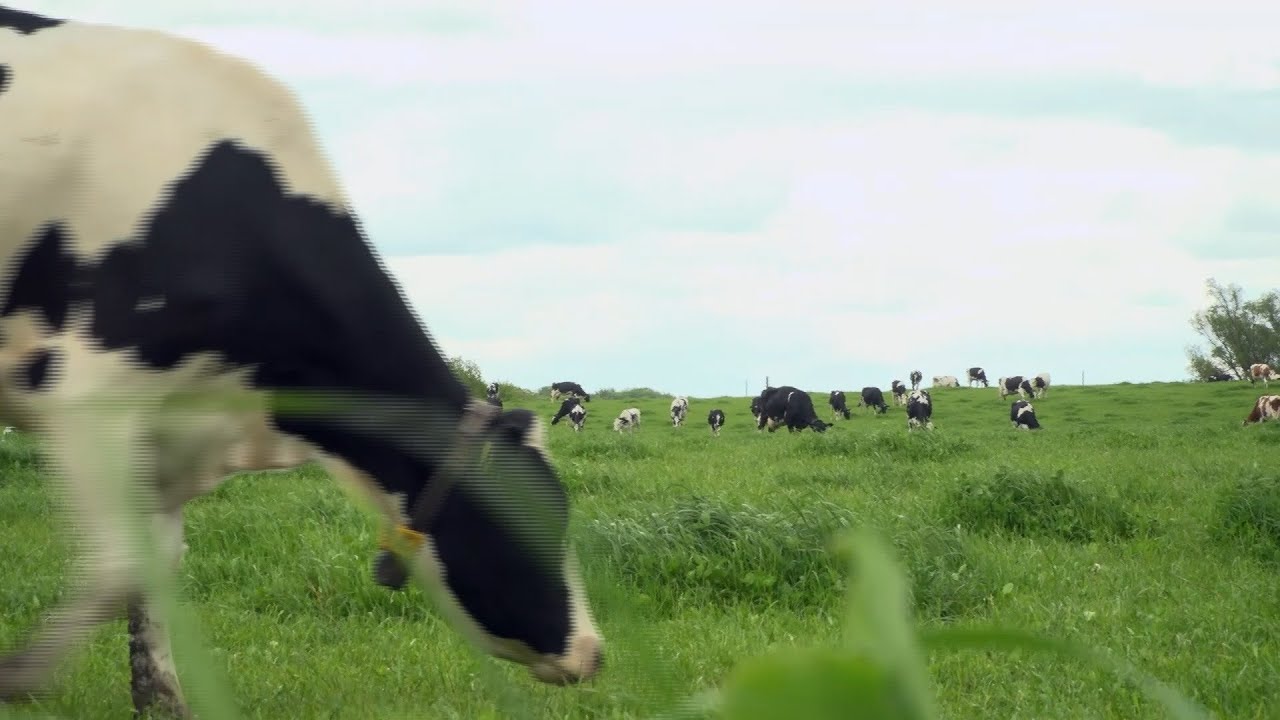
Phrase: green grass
(1142, 521)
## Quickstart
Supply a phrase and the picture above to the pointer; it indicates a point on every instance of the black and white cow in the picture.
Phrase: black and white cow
(679, 409)
(978, 375)
(1023, 415)
(715, 419)
(491, 395)
(872, 397)
(575, 411)
(919, 410)
(572, 389)
(899, 392)
(788, 406)
(1038, 385)
(916, 376)
(946, 381)
(837, 403)
(1011, 385)
(178, 253)
(628, 419)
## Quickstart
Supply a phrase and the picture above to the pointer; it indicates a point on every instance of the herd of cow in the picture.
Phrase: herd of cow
(793, 408)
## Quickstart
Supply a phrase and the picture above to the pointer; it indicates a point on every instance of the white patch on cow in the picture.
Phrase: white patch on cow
(945, 381)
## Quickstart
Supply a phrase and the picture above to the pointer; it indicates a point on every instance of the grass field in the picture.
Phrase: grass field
(1143, 520)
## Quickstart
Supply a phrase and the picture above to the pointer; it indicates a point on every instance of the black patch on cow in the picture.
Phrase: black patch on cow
(42, 364)
(286, 285)
(5, 74)
(25, 22)
(45, 279)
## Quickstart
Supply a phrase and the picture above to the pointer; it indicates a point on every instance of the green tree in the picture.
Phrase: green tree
(468, 373)
(1239, 332)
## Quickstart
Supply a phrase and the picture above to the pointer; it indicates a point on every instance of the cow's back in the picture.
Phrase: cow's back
(98, 120)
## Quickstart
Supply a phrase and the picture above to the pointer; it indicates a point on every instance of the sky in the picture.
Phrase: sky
(696, 196)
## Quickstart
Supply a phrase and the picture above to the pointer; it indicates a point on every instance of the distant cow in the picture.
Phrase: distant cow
(572, 389)
(945, 381)
(837, 403)
(491, 395)
(576, 412)
(916, 377)
(899, 392)
(715, 419)
(1010, 385)
(873, 398)
(1038, 385)
(788, 406)
(628, 419)
(919, 410)
(1219, 377)
(679, 409)
(1266, 408)
(1263, 372)
(976, 375)
(1023, 416)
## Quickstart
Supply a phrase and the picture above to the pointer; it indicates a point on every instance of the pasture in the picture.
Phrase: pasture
(1143, 520)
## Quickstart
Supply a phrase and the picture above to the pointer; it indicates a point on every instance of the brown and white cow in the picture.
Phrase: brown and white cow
(1263, 372)
(187, 293)
(1266, 408)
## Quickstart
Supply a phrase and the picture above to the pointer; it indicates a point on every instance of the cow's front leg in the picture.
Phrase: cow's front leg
(93, 466)
(153, 677)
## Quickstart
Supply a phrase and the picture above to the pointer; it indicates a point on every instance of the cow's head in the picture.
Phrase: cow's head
(493, 546)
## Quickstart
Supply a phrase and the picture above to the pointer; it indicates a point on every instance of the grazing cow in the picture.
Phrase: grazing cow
(976, 375)
(576, 412)
(945, 381)
(572, 389)
(1011, 385)
(899, 392)
(836, 401)
(873, 398)
(1023, 415)
(715, 419)
(491, 395)
(916, 376)
(187, 294)
(1036, 386)
(679, 409)
(919, 410)
(628, 419)
(788, 406)
(1266, 408)
(1263, 372)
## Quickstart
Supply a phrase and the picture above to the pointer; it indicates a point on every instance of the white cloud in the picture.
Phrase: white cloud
(890, 236)
(1227, 44)
(891, 226)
